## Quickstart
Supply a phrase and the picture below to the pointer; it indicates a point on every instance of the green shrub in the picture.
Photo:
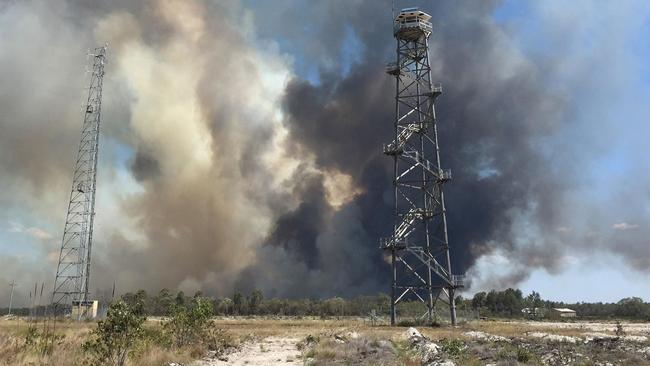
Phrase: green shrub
(524, 355)
(189, 322)
(518, 353)
(118, 335)
(453, 347)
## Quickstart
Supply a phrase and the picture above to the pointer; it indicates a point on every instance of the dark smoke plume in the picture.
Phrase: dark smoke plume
(490, 122)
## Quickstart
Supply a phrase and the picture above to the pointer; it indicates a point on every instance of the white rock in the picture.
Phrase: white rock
(554, 337)
(414, 337)
(429, 351)
(595, 336)
(635, 338)
(485, 336)
(353, 335)
(431, 347)
(413, 333)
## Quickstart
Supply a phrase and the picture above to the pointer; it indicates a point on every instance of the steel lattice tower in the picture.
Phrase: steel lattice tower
(419, 246)
(73, 270)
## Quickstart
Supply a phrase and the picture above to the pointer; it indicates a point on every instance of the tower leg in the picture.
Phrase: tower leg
(430, 308)
(430, 303)
(452, 306)
(392, 288)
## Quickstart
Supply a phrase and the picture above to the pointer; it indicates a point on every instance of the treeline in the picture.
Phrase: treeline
(508, 303)
(254, 303)
(503, 304)
(511, 302)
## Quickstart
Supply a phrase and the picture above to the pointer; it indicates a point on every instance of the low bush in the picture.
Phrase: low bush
(191, 325)
(117, 336)
(453, 347)
(189, 322)
(524, 355)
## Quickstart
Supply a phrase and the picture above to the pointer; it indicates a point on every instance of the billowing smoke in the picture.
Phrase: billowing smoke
(242, 141)
(511, 123)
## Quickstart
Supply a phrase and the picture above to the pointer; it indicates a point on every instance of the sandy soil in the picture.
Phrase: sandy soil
(268, 351)
(634, 328)
(275, 341)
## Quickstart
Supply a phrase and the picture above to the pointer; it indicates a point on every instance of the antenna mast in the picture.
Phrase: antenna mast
(73, 270)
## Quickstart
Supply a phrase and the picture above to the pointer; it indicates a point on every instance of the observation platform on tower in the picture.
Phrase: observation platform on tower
(411, 23)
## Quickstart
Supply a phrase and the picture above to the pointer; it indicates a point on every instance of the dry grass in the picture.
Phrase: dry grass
(518, 329)
(379, 340)
(251, 328)
(15, 351)
(68, 350)
(301, 327)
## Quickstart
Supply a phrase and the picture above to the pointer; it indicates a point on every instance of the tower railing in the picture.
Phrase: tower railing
(458, 280)
(420, 24)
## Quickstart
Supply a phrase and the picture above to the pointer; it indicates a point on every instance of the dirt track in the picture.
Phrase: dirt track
(269, 351)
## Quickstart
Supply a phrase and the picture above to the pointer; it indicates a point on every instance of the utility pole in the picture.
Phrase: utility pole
(11, 297)
(419, 244)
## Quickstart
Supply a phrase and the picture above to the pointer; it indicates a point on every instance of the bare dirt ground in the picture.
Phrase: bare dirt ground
(270, 351)
(632, 328)
(353, 341)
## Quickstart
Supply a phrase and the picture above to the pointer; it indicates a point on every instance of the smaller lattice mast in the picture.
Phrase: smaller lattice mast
(73, 270)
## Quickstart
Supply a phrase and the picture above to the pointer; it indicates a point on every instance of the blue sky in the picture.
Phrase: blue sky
(613, 119)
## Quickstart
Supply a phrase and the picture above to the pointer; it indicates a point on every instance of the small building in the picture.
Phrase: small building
(84, 309)
(563, 313)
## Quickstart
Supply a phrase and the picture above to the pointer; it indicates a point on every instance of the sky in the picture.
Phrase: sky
(240, 143)
(621, 157)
